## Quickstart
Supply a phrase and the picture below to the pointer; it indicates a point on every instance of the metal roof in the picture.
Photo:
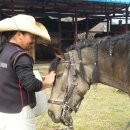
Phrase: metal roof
(112, 1)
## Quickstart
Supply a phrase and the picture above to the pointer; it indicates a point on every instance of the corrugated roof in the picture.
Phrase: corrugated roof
(111, 1)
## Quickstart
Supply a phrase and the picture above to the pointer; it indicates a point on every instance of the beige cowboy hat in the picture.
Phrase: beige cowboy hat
(27, 23)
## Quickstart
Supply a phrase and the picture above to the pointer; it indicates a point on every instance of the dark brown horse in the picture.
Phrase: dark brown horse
(105, 60)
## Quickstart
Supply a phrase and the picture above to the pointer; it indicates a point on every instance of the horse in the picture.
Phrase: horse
(103, 60)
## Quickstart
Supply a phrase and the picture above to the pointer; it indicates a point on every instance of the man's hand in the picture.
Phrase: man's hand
(48, 80)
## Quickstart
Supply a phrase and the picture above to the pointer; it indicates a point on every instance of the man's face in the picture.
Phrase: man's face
(27, 39)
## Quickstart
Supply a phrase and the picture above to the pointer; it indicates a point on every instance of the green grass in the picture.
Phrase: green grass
(103, 108)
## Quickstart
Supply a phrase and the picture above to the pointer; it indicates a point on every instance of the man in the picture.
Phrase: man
(17, 81)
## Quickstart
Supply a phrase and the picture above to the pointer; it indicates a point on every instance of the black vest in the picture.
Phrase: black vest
(13, 97)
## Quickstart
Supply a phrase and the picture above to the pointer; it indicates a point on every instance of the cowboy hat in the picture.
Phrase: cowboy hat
(27, 23)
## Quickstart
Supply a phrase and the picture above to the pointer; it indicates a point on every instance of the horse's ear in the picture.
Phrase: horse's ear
(58, 53)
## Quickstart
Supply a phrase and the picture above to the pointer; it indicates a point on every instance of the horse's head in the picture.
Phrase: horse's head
(68, 91)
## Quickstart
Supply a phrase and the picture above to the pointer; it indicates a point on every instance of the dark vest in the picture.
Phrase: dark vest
(13, 97)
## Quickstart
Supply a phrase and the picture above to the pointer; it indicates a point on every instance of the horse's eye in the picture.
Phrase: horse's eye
(59, 75)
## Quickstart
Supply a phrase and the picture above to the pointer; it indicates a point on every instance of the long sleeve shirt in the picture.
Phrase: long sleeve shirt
(24, 71)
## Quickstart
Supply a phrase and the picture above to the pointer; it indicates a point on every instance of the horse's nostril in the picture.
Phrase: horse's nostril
(50, 113)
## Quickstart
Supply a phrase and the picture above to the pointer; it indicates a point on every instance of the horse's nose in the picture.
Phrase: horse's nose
(53, 116)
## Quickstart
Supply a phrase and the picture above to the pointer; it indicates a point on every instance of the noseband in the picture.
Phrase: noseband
(68, 92)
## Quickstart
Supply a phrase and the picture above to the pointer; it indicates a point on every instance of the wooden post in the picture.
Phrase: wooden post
(126, 20)
(12, 1)
(59, 33)
(87, 30)
(108, 26)
(76, 33)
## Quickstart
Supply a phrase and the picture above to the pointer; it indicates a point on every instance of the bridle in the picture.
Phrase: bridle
(68, 92)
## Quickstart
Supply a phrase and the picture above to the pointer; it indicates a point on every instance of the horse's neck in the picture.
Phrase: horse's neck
(112, 70)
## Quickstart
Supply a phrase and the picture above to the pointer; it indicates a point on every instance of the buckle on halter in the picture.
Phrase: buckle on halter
(74, 82)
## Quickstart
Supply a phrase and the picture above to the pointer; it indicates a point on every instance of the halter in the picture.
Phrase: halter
(68, 91)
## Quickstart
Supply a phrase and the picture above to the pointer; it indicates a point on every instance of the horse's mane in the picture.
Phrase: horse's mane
(54, 64)
(103, 43)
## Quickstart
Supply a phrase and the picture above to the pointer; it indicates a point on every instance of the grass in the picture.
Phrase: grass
(103, 108)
